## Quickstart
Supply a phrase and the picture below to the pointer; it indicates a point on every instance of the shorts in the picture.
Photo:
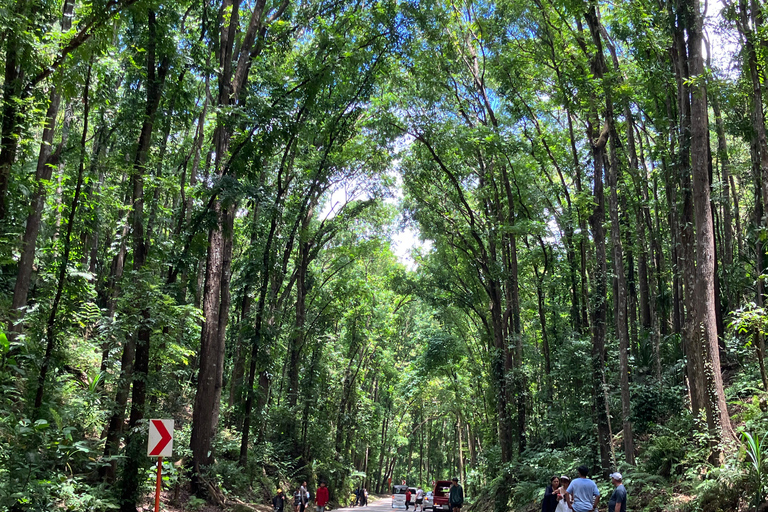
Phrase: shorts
(419, 502)
(318, 508)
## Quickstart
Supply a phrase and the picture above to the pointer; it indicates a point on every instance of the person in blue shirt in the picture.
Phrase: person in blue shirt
(618, 501)
(583, 492)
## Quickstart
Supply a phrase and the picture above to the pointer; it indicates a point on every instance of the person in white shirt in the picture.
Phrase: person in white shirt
(419, 500)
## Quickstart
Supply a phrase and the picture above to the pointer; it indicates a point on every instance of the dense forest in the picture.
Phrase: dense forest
(364, 241)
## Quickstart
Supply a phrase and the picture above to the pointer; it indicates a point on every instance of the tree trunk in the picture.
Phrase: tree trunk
(583, 324)
(42, 174)
(236, 50)
(512, 292)
(50, 333)
(459, 438)
(621, 297)
(599, 314)
(155, 82)
(718, 419)
(612, 175)
(725, 164)
(543, 321)
(599, 299)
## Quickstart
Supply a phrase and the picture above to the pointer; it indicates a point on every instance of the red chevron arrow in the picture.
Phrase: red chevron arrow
(165, 437)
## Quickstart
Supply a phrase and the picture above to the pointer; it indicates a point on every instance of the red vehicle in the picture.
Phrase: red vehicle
(440, 495)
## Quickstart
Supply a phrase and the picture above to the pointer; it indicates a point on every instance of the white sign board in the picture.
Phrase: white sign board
(160, 438)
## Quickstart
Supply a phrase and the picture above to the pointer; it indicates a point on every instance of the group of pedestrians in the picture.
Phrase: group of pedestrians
(419, 499)
(301, 498)
(582, 494)
(361, 497)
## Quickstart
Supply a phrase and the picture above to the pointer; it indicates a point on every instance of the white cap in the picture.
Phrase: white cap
(616, 476)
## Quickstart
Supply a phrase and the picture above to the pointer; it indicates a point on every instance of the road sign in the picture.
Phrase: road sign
(160, 438)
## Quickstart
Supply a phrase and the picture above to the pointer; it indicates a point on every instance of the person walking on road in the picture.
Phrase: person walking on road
(364, 498)
(584, 495)
(408, 499)
(297, 499)
(618, 501)
(419, 500)
(304, 495)
(456, 496)
(321, 498)
(278, 502)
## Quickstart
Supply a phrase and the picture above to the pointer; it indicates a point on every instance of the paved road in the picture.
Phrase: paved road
(374, 505)
(383, 504)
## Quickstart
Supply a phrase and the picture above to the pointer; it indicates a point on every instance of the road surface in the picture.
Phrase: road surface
(375, 504)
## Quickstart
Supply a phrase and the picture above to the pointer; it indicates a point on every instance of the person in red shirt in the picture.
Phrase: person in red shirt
(321, 497)
(407, 498)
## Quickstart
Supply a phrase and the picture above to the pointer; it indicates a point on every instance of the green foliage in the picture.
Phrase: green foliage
(653, 405)
(665, 453)
(45, 466)
(754, 449)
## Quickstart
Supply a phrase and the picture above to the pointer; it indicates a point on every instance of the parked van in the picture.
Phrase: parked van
(398, 496)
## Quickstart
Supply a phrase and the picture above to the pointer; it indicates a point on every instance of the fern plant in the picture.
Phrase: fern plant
(754, 449)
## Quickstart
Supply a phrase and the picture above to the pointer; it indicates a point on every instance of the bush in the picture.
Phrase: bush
(47, 467)
(664, 455)
(653, 405)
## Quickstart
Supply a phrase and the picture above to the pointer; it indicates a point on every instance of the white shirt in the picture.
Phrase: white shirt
(419, 494)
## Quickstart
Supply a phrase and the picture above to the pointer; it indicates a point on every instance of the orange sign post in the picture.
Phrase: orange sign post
(160, 445)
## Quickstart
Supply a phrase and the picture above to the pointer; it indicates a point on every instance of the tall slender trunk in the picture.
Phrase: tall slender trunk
(599, 299)
(582, 241)
(459, 436)
(725, 164)
(612, 178)
(235, 53)
(156, 75)
(514, 325)
(50, 333)
(686, 253)
(600, 311)
(135, 359)
(655, 270)
(545, 349)
(621, 297)
(737, 217)
(45, 164)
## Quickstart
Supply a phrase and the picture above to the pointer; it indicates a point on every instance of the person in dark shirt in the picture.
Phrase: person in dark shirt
(279, 501)
(618, 501)
(456, 496)
(303, 496)
(297, 500)
(551, 496)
